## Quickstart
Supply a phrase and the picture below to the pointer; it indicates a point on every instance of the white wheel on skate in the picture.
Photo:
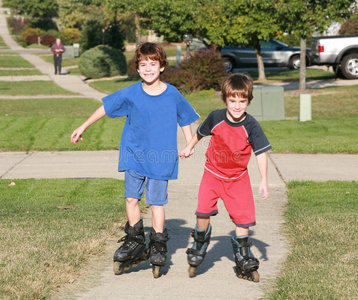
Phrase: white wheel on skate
(116, 268)
(156, 271)
(192, 271)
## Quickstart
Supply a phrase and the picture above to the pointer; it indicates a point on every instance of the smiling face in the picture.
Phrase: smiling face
(236, 108)
(149, 70)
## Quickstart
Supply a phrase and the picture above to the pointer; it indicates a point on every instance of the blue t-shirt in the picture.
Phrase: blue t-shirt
(149, 138)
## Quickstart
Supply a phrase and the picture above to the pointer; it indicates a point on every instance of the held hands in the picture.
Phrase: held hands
(186, 152)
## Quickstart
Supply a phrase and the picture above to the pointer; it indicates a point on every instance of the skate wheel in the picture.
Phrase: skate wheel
(156, 271)
(255, 276)
(117, 268)
(192, 271)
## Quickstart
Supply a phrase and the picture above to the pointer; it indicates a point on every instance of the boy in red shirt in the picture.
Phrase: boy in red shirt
(234, 135)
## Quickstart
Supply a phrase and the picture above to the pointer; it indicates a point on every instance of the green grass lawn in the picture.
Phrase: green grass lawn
(20, 72)
(29, 88)
(3, 44)
(321, 227)
(43, 243)
(66, 62)
(14, 61)
(292, 75)
(47, 124)
(110, 86)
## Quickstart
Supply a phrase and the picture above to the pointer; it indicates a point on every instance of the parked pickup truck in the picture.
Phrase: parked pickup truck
(340, 52)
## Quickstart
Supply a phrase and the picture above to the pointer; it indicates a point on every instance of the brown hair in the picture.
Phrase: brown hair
(237, 85)
(150, 51)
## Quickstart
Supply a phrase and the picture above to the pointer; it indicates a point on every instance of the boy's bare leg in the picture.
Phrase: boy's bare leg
(203, 222)
(240, 231)
(133, 211)
(158, 218)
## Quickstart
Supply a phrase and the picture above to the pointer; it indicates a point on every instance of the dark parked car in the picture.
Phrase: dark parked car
(274, 54)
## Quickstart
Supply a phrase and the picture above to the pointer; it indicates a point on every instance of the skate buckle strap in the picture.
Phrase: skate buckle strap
(129, 238)
(122, 239)
(195, 252)
(248, 244)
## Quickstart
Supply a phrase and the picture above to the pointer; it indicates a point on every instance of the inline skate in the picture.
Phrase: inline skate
(246, 264)
(132, 251)
(197, 253)
(157, 251)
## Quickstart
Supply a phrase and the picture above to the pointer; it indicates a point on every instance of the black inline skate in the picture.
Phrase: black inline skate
(246, 264)
(132, 251)
(157, 251)
(197, 253)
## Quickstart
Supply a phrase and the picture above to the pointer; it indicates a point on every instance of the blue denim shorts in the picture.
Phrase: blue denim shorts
(156, 191)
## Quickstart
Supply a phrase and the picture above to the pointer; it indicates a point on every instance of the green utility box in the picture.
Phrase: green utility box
(72, 51)
(268, 103)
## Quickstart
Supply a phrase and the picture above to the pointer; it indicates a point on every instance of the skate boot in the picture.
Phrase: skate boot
(157, 251)
(197, 253)
(132, 251)
(246, 264)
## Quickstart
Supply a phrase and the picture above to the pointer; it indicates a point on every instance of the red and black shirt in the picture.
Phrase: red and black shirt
(231, 143)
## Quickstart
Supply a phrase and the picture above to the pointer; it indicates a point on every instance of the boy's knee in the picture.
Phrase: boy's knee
(131, 200)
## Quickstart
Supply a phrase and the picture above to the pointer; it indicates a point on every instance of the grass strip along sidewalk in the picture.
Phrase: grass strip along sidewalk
(321, 227)
(50, 228)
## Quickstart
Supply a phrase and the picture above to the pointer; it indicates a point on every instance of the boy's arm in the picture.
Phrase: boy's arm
(77, 133)
(188, 134)
(261, 160)
(189, 149)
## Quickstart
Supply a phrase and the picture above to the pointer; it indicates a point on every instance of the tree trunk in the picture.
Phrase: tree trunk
(302, 85)
(260, 65)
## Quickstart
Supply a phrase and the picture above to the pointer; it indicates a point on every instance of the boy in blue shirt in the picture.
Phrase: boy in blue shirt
(148, 152)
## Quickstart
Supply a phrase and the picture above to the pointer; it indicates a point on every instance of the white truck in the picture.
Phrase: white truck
(340, 52)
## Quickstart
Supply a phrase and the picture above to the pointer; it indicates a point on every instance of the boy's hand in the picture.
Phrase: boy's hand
(77, 134)
(263, 189)
(186, 152)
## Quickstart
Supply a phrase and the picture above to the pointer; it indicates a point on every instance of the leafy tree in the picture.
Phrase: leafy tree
(91, 34)
(304, 17)
(222, 22)
(169, 18)
(234, 22)
(74, 13)
(34, 8)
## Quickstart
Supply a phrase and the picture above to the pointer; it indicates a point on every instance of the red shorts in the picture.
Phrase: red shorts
(236, 195)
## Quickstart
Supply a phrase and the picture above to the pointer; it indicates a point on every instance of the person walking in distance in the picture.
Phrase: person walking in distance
(58, 49)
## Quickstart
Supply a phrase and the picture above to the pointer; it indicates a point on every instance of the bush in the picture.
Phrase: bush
(47, 40)
(31, 31)
(69, 36)
(349, 27)
(103, 61)
(32, 39)
(16, 25)
(202, 71)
